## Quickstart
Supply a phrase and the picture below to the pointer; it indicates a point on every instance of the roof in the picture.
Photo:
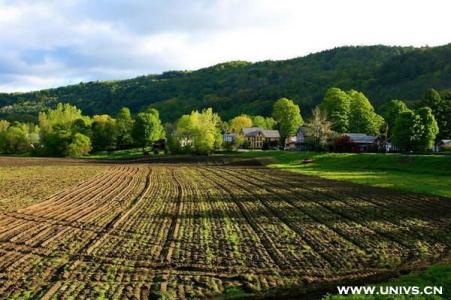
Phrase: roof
(361, 138)
(445, 142)
(253, 131)
(248, 130)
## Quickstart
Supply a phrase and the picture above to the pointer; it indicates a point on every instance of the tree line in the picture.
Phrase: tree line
(66, 131)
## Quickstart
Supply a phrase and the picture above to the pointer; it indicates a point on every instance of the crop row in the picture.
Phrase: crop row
(196, 231)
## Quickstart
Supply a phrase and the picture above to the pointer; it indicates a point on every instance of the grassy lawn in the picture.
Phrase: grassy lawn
(427, 174)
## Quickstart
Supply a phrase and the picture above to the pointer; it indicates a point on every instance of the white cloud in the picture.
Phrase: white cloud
(50, 43)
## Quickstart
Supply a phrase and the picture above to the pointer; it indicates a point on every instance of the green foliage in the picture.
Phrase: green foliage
(240, 122)
(147, 128)
(103, 132)
(415, 130)
(263, 122)
(288, 117)
(337, 105)
(362, 117)
(63, 115)
(199, 132)
(441, 109)
(428, 129)
(404, 132)
(80, 145)
(56, 140)
(4, 125)
(82, 125)
(319, 129)
(350, 112)
(14, 140)
(382, 73)
(390, 111)
(124, 126)
(57, 128)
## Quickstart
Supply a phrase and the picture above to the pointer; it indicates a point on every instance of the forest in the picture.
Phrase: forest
(380, 72)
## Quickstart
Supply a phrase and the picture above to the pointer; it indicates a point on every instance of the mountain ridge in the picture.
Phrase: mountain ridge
(381, 72)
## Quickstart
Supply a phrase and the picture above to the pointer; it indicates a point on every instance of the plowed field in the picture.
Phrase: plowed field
(140, 231)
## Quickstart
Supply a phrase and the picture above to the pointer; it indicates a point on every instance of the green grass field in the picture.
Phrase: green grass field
(429, 174)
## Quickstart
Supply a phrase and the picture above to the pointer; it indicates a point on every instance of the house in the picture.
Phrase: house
(186, 142)
(259, 138)
(361, 142)
(296, 142)
(444, 145)
(228, 137)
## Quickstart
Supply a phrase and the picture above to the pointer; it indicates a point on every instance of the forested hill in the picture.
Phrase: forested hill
(381, 72)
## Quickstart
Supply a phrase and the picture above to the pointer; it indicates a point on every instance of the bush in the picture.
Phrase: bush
(80, 145)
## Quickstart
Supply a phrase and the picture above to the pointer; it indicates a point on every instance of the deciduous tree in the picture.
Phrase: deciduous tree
(336, 104)
(263, 122)
(288, 117)
(415, 130)
(238, 123)
(80, 145)
(198, 132)
(147, 128)
(103, 132)
(124, 127)
(391, 111)
(362, 117)
(319, 129)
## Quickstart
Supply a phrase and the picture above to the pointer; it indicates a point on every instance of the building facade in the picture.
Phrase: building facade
(259, 138)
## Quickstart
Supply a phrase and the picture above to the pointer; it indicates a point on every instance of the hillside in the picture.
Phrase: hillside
(381, 72)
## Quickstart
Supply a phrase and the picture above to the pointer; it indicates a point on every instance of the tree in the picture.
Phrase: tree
(362, 117)
(80, 145)
(319, 129)
(415, 130)
(390, 111)
(57, 127)
(404, 131)
(14, 140)
(198, 132)
(63, 115)
(4, 125)
(336, 104)
(57, 140)
(441, 109)
(428, 129)
(287, 114)
(262, 122)
(103, 132)
(124, 127)
(238, 123)
(432, 99)
(147, 128)
(83, 126)
(32, 134)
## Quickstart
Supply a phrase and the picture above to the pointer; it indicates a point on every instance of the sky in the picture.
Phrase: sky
(46, 44)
